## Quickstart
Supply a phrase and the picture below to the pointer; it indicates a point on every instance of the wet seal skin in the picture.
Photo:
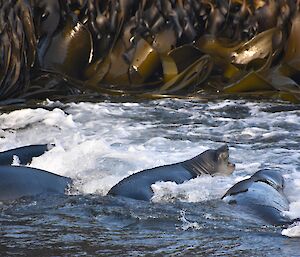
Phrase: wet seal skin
(210, 162)
(19, 181)
(262, 195)
(24, 153)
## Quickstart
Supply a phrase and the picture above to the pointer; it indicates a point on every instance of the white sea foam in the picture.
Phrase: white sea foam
(98, 144)
(186, 224)
(195, 190)
(292, 231)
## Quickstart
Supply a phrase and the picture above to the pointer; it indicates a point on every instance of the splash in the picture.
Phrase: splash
(292, 231)
(186, 224)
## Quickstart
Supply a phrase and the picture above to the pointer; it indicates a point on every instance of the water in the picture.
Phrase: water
(98, 144)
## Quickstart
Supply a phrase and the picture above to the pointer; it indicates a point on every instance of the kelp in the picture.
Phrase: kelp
(195, 74)
(150, 48)
(17, 47)
(69, 50)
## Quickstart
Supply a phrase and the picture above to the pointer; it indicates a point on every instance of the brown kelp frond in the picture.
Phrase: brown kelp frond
(17, 47)
(150, 48)
(194, 74)
(69, 50)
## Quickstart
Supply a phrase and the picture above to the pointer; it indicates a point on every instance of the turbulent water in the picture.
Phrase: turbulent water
(98, 144)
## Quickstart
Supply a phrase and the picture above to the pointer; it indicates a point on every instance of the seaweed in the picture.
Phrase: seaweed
(172, 48)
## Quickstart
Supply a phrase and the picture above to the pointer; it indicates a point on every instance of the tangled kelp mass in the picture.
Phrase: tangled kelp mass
(150, 48)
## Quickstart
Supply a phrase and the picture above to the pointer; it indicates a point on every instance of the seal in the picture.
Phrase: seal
(261, 194)
(24, 153)
(19, 181)
(210, 162)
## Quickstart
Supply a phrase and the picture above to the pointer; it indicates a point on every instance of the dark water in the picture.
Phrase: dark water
(137, 136)
(104, 226)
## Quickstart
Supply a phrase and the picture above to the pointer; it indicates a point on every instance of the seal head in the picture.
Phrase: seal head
(212, 162)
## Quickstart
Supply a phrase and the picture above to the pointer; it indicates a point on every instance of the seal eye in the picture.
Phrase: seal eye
(224, 156)
(44, 16)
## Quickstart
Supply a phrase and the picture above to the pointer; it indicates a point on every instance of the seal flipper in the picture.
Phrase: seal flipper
(239, 187)
(24, 153)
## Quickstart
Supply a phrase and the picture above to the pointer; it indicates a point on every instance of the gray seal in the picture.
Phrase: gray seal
(261, 194)
(19, 181)
(24, 153)
(138, 185)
